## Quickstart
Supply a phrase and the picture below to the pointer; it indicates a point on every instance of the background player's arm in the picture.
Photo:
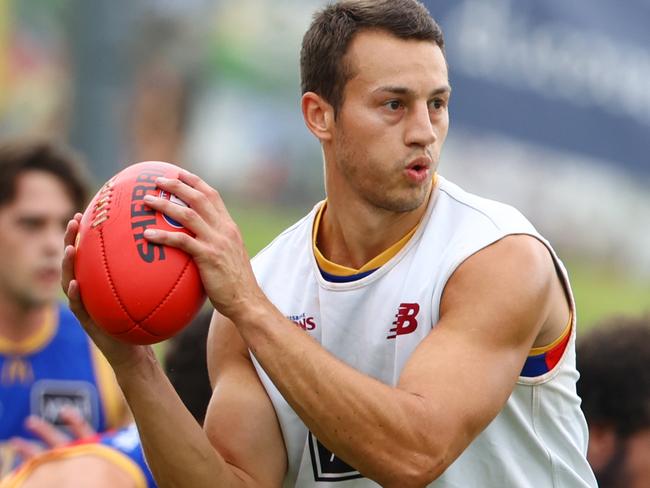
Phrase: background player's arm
(452, 387)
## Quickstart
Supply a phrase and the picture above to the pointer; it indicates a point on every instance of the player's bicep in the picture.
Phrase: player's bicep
(241, 422)
(491, 311)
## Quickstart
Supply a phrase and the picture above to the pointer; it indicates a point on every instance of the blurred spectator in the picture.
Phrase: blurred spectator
(115, 460)
(613, 360)
(46, 360)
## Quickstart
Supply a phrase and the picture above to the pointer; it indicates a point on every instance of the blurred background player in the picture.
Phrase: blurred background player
(115, 460)
(46, 360)
(614, 361)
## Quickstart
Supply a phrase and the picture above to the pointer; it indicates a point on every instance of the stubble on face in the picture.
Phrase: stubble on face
(378, 184)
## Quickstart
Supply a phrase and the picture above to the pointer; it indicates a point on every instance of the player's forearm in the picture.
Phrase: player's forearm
(382, 431)
(176, 448)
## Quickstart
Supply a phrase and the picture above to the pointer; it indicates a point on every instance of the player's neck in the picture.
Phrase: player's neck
(352, 233)
(18, 322)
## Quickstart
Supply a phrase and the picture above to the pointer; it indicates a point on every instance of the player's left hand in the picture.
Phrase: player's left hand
(120, 355)
(217, 246)
(50, 436)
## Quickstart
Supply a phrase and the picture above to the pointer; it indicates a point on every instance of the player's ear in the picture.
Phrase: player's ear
(318, 115)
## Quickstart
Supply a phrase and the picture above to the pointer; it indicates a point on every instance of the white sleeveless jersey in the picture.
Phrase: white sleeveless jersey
(374, 324)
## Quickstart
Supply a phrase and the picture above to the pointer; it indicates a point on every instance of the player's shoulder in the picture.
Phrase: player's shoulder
(469, 209)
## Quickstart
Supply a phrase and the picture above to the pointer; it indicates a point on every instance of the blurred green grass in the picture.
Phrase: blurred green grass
(260, 225)
(599, 289)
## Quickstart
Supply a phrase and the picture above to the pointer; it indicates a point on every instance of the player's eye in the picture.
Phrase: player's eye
(437, 104)
(30, 224)
(393, 105)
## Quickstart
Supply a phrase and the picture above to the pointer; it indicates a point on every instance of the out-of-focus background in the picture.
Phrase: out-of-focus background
(550, 111)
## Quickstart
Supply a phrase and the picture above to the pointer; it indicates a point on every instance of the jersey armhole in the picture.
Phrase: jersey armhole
(542, 360)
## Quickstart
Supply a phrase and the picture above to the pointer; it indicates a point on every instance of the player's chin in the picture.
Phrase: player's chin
(413, 196)
(40, 296)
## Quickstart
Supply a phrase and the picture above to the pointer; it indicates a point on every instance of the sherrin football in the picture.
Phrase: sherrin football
(137, 291)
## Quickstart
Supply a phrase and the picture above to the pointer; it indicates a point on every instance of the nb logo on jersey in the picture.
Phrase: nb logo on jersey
(405, 320)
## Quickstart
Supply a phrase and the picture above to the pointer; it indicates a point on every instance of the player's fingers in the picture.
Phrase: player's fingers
(179, 240)
(186, 216)
(198, 195)
(45, 431)
(76, 423)
(67, 267)
(25, 449)
(71, 231)
(76, 305)
(182, 190)
(212, 194)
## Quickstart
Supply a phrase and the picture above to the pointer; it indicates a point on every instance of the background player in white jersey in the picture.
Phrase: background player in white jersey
(454, 406)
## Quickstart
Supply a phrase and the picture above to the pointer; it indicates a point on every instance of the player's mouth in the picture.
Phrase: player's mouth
(418, 170)
(48, 275)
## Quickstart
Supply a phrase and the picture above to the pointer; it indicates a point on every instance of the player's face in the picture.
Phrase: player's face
(393, 120)
(627, 464)
(637, 465)
(31, 239)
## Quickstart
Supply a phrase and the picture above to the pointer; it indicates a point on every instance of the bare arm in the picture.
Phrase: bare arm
(177, 449)
(240, 421)
(492, 310)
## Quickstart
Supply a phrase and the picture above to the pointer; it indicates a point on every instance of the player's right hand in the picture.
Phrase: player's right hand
(119, 354)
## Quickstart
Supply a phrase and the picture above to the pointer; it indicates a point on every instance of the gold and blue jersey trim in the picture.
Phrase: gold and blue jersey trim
(543, 359)
(334, 272)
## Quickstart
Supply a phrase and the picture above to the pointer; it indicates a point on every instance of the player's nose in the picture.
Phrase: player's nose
(53, 239)
(420, 130)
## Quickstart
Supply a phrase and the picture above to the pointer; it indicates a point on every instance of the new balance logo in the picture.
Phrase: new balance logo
(405, 320)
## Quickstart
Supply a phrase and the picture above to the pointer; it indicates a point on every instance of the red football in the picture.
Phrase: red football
(137, 291)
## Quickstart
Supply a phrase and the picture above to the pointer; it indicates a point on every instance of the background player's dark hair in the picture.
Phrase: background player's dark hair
(323, 67)
(186, 365)
(613, 360)
(20, 155)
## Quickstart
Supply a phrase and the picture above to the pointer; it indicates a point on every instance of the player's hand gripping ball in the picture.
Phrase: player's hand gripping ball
(137, 291)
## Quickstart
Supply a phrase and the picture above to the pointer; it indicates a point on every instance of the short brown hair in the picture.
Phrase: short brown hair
(20, 155)
(614, 385)
(325, 44)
